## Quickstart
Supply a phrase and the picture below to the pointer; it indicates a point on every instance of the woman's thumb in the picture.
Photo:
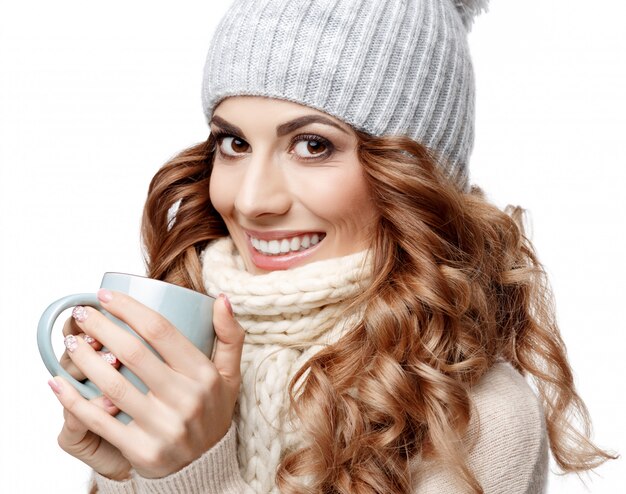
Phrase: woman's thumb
(229, 341)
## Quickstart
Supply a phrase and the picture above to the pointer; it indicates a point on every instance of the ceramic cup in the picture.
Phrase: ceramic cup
(189, 311)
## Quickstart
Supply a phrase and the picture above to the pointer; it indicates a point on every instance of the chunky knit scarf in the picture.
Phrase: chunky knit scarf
(288, 316)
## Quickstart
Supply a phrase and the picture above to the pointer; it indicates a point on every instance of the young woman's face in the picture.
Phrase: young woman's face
(287, 182)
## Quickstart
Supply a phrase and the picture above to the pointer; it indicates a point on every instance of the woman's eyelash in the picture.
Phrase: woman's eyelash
(218, 135)
(316, 138)
(309, 137)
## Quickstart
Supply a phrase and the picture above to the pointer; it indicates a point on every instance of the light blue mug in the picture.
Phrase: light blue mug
(189, 311)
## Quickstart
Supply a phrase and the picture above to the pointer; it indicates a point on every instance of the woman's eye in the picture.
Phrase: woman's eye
(311, 148)
(232, 146)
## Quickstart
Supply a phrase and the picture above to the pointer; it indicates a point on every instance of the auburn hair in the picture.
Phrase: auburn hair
(457, 287)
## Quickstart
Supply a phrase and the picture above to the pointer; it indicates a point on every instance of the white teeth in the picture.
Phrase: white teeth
(273, 247)
(284, 246)
(295, 244)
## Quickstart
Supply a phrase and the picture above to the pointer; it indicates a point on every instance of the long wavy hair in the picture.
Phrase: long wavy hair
(457, 287)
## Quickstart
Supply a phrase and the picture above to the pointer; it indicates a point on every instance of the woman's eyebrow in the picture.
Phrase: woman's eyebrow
(296, 123)
(224, 125)
(282, 129)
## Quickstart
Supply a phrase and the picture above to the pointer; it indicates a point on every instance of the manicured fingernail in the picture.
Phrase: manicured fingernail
(104, 295)
(89, 339)
(109, 358)
(227, 303)
(79, 313)
(54, 386)
(71, 343)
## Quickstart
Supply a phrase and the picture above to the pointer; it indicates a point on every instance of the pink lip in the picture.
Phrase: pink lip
(278, 262)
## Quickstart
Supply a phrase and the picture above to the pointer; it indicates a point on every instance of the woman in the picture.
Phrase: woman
(390, 313)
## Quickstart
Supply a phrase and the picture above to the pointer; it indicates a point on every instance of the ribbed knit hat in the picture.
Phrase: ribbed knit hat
(386, 67)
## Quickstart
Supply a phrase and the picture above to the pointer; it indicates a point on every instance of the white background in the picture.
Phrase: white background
(94, 97)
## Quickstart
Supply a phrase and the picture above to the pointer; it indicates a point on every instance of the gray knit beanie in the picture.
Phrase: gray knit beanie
(386, 67)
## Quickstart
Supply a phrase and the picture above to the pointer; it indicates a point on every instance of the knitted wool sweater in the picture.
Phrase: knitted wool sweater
(288, 316)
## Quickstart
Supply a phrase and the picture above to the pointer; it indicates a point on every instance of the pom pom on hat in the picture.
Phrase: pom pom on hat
(470, 9)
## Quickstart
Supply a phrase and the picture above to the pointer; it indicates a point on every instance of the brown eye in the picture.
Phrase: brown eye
(315, 147)
(231, 146)
(308, 147)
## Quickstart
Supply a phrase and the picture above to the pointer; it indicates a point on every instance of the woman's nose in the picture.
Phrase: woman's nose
(263, 190)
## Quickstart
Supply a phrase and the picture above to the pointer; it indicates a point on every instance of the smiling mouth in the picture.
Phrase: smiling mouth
(279, 247)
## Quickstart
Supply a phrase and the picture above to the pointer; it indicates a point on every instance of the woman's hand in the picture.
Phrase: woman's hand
(90, 448)
(75, 438)
(191, 400)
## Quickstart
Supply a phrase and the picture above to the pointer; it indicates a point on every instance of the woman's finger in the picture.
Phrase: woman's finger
(110, 359)
(179, 353)
(112, 384)
(70, 367)
(90, 416)
(76, 439)
(75, 372)
(131, 352)
(74, 432)
(71, 327)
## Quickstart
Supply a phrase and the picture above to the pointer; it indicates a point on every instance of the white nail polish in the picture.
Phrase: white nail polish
(71, 343)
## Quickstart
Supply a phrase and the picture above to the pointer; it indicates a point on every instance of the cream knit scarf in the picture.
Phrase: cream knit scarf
(288, 317)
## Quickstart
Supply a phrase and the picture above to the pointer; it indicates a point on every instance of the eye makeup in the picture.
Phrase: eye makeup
(220, 136)
(327, 146)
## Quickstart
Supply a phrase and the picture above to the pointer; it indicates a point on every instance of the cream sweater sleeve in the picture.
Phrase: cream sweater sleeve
(507, 440)
(215, 472)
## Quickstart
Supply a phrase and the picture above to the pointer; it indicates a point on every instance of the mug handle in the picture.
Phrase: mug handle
(44, 337)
